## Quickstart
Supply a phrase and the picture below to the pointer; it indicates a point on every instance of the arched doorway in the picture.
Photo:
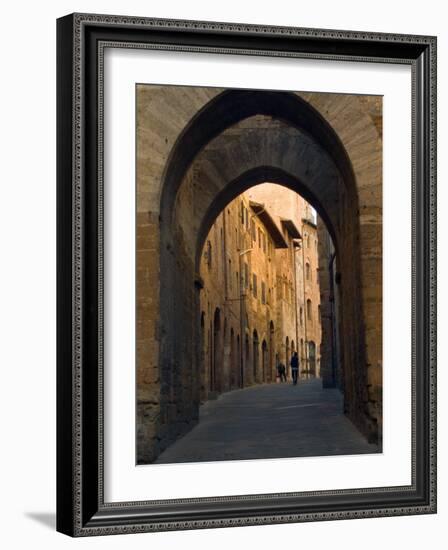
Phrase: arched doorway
(312, 358)
(272, 364)
(312, 161)
(255, 357)
(246, 366)
(233, 363)
(223, 374)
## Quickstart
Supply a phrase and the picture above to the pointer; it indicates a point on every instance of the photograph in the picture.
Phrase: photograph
(258, 274)
(246, 274)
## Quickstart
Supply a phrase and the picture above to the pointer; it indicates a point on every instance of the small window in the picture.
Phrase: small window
(263, 292)
(246, 275)
(252, 230)
(230, 274)
(308, 310)
(254, 285)
(208, 254)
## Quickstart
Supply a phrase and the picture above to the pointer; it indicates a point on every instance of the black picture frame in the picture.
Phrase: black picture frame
(81, 510)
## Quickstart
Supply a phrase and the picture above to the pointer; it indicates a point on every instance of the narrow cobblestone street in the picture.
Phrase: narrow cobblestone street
(270, 421)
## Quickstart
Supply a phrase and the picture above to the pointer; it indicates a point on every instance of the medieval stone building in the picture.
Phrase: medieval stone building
(260, 300)
(198, 149)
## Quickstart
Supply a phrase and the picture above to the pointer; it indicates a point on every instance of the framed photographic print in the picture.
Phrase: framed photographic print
(246, 274)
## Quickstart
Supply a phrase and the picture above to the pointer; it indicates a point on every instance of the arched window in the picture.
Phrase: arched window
(307, 271)
(308, 309)
(301, 316)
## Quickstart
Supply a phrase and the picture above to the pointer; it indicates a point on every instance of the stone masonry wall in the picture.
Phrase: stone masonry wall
(168, 393)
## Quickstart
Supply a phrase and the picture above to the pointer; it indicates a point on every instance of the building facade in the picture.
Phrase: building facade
(260, 297)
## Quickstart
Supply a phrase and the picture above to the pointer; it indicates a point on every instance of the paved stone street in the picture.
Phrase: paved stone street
(270, 421)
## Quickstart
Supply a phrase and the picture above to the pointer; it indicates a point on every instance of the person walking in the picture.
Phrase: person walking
(295, 367)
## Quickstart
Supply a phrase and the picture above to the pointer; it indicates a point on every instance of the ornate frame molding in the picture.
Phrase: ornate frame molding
(81, 42)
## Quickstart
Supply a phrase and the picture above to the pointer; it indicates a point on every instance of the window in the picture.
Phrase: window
(279, 289)
(259, 238)
(237, 279)
(308, 241)
(254, 285)
(208, 254)
(242, 213)
(308, 310)
(301, 316)
(263, 292)
(252, 230)
(246, 275)
(307, 271)
(264, 243)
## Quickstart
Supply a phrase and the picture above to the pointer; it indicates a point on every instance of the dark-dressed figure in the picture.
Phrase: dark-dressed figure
(281, 372)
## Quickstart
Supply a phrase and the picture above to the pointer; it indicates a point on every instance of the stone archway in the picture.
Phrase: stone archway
(255, 358)
(236, 140)
(264, 361)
